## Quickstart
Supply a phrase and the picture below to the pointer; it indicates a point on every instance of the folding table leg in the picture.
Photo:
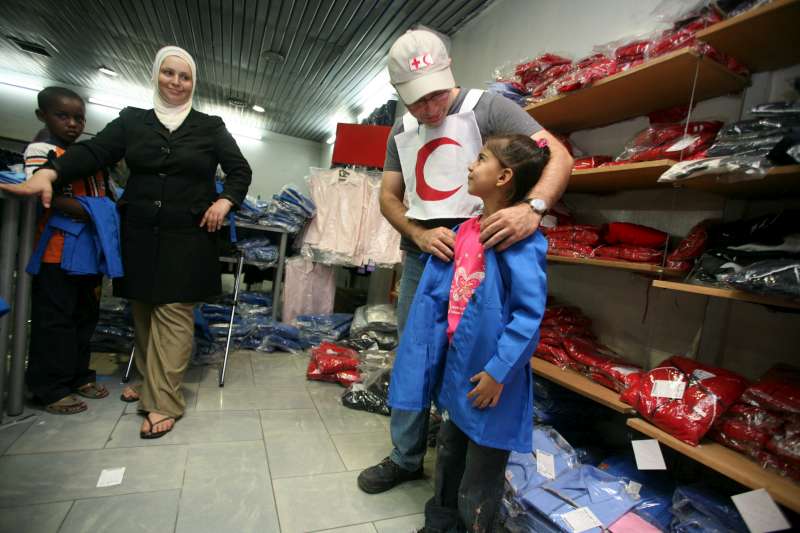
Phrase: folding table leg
(239, 268)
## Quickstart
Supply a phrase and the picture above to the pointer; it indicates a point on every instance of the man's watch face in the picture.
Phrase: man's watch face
(538, 205)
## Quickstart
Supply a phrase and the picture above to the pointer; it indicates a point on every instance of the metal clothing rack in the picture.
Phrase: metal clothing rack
(239, 260)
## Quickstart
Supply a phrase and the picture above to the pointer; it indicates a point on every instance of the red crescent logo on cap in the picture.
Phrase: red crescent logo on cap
(425, 191)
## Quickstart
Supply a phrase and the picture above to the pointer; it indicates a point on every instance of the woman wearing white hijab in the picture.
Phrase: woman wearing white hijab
(170, 213)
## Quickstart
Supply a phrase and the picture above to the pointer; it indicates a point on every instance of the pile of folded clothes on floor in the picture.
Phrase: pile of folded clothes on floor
(760, 254)
(765, 423)
(616, 240)
(377, 322)
(566, 340)
(114, 331)
(747, 149)
(372, 393)
(684, 397)
(335, 363)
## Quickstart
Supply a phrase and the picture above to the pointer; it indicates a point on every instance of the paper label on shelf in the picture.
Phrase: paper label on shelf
(111, 476)
(633, 488)
(668, 389)
(760, 512)
(682, 143)
(648, 455)
(702, 374)
(581, 519)
(545, 464)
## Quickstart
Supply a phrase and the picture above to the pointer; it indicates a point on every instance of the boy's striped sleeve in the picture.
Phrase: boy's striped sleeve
(36, 157)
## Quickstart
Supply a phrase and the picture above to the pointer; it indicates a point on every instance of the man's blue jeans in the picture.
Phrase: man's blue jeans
(409, 429)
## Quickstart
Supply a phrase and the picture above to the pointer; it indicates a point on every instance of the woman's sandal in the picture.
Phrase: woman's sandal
(149, 434)
(68, 405)
(129, 399)
(92, 390)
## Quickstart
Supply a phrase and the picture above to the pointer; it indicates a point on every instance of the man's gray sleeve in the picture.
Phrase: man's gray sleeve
(392, 161)
(507, 117)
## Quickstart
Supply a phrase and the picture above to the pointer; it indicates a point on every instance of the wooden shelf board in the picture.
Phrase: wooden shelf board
(657, 84)
(621, 265)
(765, 38)
(620, 177)
(731, 294)
(728, 462)
(580, 384)
(779, 182)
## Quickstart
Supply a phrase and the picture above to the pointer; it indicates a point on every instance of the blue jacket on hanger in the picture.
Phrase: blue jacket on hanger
(497, 333)
(89, 248)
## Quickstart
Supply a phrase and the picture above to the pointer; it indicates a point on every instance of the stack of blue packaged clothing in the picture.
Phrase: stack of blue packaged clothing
(655, 502)
(289, 210)
(315, 329)
(251, 210)
(698, 508)
(259, 250)
(114, 331)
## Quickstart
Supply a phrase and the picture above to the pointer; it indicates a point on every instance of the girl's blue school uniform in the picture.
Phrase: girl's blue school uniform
(497, 333)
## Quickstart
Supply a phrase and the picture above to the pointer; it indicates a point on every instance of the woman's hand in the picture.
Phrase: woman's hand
(40, 184)
(215, 215)
(487, 392)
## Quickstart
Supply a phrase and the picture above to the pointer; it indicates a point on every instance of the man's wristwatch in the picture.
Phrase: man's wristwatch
(538, 205)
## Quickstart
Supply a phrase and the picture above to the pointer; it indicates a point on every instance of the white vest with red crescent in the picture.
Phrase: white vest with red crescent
(435, 163)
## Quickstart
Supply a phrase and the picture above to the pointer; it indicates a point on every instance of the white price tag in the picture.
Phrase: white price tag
(668, 389)
(648, 455)
(760, 512)
(546, 464)
(684, 142)
(581, 519)
(633, 488)
(111, 476)
(702, 374)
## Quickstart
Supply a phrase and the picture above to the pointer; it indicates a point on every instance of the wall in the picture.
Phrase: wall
(276, 159)
(645, 324)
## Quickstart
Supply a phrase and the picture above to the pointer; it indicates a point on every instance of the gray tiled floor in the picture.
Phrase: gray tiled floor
(269, 452)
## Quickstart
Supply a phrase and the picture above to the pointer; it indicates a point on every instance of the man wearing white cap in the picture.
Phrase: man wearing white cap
(427, 156)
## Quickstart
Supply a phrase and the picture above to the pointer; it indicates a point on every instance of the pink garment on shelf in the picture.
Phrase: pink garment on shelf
(632, 523)
(379, 241)
(309, 288)
(340, 204)
(469, 270)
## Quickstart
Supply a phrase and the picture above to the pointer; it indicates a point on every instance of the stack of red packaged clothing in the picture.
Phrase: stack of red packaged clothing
(632, 242)
(677, 141)
(585, 72)
(685, 398)
(594, 161)
(690, 248)
(566, 340)
(334, 363)
(765, 424)
(538, 74)
(576, 240)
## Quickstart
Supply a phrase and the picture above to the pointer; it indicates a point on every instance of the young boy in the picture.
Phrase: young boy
(65, 308)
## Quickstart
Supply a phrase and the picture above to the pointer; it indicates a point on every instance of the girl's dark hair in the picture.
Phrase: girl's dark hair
(524, 157)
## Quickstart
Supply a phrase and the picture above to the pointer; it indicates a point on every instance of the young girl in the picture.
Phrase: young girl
(472, 328)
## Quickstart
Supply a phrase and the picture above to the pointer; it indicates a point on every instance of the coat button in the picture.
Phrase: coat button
(165, 149)
(157, 203)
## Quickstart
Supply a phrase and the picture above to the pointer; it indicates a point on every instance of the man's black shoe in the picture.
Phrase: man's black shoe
(385, 475)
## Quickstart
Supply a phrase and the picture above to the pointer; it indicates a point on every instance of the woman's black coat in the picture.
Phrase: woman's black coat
(166, 255)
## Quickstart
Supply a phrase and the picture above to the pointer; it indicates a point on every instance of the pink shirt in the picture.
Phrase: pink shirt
(468, 271)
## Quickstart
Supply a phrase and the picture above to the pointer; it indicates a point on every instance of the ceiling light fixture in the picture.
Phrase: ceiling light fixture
(273, 56)
(237, 102)
(108, 72)
(22, 84)
(258, 109)
(331, 139)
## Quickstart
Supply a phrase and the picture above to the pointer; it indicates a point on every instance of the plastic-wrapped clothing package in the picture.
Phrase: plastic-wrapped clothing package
(546, 67)
(602, 365)
(632, 523)
(512, 90)
(309, 288)
(655, 494)
(670, 141)
(585, 72)
(776, 108)
(633, 234)
(728, 169)
(521, 470)
(684, 397)
(380, 317)
(259, 250)
(780, 277)
(778, 390)
(692, 245)
(628, 252)
(581, 234)
(585, 486)
(331, 362)
(699, 509)
(594, 161)
(568, 248)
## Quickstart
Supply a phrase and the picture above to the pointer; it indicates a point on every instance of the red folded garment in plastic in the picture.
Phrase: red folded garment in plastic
(568, 248)
(756, 417)
(576, 320)
(670, 41)
(627, 252)
(741, 430)
(331, 362)
(681, 266)
(594, 161)
(692, 246)
(566, 312)
(684, 397)
(532, 71)
(661, 141)
(684, 147)
(777, 390)
(553, 354)
(786, 446)
(586, 72)
(632, 51)
(617, 373)
(330, 348)
(575, 234)
(782, 466)
(540, 88)
(634, 234)
(567, 330)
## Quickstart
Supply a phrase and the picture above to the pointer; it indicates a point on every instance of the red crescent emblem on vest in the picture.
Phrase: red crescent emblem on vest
(425, 191)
